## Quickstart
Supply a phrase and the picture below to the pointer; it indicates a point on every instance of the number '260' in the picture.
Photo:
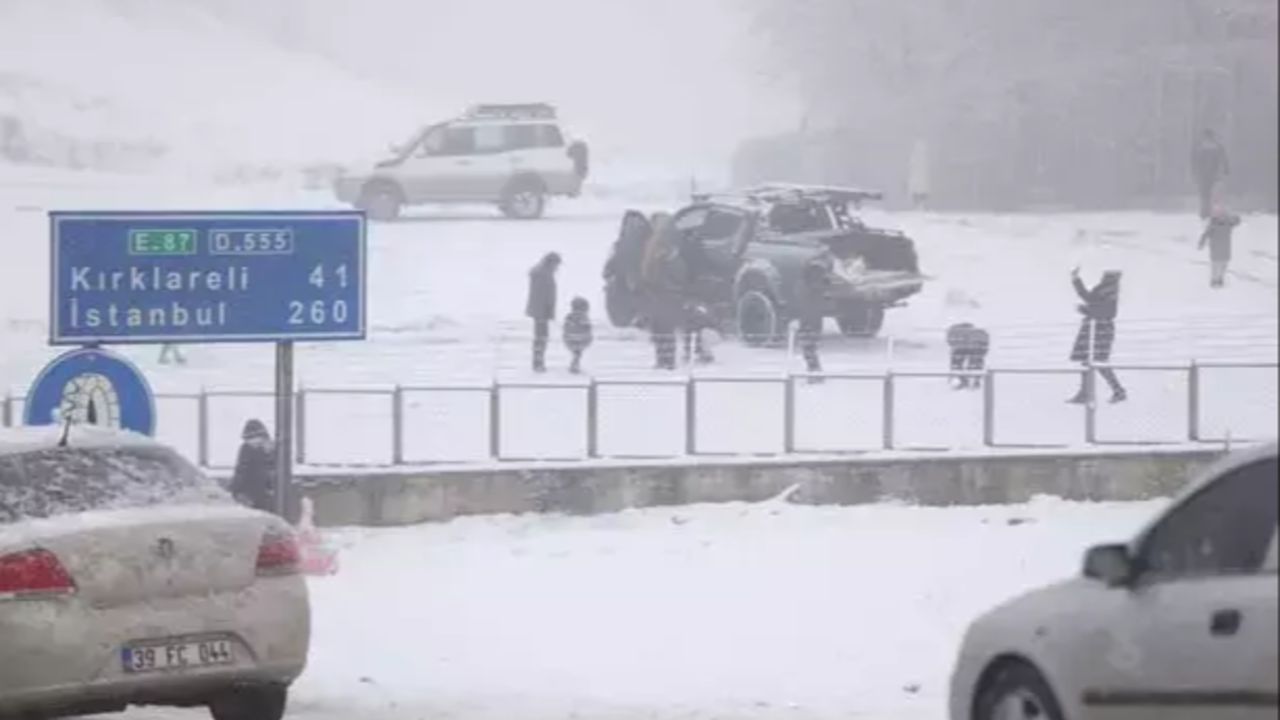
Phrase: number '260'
(318, 312)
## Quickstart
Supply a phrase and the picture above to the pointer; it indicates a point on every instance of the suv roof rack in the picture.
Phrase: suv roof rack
(783, 192)
(776, 193)
(519, 111)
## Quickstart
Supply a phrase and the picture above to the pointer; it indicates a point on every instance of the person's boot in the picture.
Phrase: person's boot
(1119, 395)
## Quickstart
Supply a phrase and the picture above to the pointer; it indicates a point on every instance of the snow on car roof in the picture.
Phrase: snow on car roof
(33, 439)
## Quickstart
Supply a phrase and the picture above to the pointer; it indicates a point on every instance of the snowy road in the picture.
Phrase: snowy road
(447, 293)
(749, 612)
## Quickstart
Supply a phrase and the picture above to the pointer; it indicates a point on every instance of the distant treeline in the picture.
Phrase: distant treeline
(1033, 103)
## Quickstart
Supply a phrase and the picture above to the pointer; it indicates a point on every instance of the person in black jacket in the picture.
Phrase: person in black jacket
(1209, 165)
(1097, 333)
(577, 332)
(969, 345)
(811, 297)
(541, 307)
(254, 480)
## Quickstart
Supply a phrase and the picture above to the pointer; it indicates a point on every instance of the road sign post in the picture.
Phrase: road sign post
(203, 277)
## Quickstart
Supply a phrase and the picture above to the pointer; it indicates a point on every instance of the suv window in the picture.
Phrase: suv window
(1227, 527)
(490, 138)
(61, 481)
(524, 137)
(445, 140)
(720, 226)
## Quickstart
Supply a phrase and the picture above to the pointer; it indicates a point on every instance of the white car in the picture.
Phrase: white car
(127, 577)
(1179, 623)
(515, 156)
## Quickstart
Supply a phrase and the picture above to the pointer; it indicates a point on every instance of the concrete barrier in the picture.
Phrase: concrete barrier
(405, 497)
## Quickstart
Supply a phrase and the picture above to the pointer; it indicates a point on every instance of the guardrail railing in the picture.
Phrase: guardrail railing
(722, 415)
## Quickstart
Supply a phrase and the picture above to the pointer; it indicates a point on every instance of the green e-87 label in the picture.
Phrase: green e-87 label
(163, 242)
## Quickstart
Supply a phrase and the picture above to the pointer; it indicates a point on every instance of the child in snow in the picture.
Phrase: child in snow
(1217, 235)
(969, 345)
(577, 332)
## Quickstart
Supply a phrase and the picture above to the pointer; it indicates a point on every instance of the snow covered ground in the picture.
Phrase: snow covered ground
(446, 304)
(743, 612)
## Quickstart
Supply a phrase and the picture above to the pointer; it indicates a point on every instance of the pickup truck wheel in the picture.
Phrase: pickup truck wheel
(861, 320)
(759, 322)
(523, 200)
(380, 203)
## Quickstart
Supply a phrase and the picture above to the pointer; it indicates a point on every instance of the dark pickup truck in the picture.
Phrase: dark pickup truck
(746, 253)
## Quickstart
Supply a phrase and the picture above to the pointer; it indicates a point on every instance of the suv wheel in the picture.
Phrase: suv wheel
(1017, 692)
(524, 201)
(861, 319)
(251, 702)
(381, 202)
(759, 322)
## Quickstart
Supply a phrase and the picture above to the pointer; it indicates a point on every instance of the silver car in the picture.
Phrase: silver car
(1179, 623)
(129, 577)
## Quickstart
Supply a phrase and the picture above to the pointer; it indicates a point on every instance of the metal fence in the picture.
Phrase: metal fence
(714, 415)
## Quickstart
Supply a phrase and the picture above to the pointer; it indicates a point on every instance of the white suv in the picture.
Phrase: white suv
(513, 155)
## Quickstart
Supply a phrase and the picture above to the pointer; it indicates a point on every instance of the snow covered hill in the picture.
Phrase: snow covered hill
(157, 85)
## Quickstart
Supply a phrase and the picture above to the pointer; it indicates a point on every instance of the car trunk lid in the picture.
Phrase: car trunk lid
(123, 557)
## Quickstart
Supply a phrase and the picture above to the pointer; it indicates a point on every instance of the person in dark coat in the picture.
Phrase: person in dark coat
(969, 345)
(1209, 165)
(664, 278)
(541, 307)
(577, 332)
(254, 481)
(1217, 235)
(1097, 333)
(811, 298)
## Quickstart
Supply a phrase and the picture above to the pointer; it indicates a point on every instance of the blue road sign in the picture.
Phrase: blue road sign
(92, 387)
(146, 277)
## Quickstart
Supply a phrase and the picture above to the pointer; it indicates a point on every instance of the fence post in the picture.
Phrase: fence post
(202, 427)
(397, 426)
(887, 420)
(1193, 402)
(691, 417)
(989, 409)
(300, 426)
(593, 418)
(1090, 406)
(495, 421)
(789, 415)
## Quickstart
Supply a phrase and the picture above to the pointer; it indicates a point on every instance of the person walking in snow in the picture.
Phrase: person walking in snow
(1217, 235)
(254, 481)
(664, 280)
(811, 298)
(541, 306)
(1208, 166)
(969, 345)
(1097, 333)
(577, 332)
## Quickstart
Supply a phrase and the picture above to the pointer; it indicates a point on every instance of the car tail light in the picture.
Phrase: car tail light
(279, 554)
(33, 574)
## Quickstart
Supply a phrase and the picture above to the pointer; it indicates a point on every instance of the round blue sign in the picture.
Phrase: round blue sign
(92, 387)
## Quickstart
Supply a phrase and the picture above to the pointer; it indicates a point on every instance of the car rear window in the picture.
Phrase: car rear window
(62, 481)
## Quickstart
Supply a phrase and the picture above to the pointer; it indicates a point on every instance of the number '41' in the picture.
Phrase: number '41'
(317, 277)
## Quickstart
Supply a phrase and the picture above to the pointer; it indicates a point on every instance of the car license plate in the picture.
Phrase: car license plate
(182, 655)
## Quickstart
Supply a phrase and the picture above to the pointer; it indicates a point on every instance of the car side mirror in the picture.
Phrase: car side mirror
(1110, 564)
